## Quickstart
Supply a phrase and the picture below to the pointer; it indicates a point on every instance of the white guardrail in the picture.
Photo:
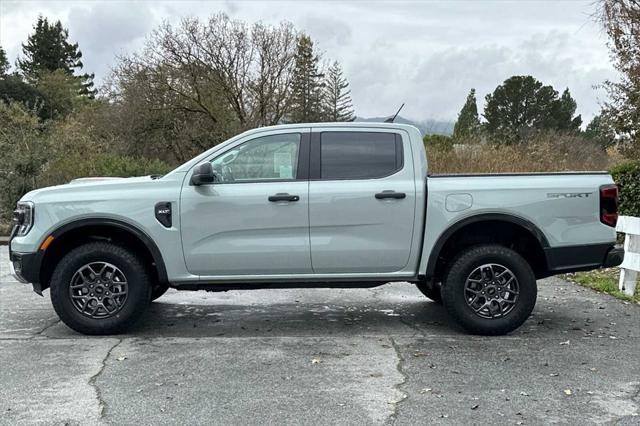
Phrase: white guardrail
(630, 267)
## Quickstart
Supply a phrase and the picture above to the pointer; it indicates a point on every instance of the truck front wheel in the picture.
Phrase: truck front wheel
(100, 288)
(489, 290)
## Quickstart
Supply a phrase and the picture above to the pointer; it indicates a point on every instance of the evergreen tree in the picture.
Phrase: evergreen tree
(522, 105)
(14, 89)
(4, 63)
(48, 50)
(306, 87)
(468, 122)
(600, 132)
(565, 107)
(336, 96)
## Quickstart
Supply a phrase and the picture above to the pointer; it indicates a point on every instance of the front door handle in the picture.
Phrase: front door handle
(390, 194)
(283, 196)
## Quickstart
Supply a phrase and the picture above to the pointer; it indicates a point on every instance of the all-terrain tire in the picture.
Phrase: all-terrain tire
(459, 301)
(137, 280)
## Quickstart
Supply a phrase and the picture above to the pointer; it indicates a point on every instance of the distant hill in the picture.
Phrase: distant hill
(426, 127)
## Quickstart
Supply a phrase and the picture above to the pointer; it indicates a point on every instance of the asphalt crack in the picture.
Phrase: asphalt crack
(40, 333)
(93, 379)
(393, 417)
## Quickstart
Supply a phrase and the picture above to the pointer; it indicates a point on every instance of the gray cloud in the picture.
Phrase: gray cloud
(427, 54)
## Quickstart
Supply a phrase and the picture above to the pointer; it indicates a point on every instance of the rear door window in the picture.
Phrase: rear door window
(359, 155)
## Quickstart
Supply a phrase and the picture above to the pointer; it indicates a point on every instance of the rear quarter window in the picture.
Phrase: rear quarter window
(359, 155)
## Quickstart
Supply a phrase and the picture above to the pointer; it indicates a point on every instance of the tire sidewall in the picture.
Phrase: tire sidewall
(139, 290)
(454, 297)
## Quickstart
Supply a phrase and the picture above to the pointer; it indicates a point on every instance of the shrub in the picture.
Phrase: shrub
(439, 142)
(627, 177)
(547, 152)
(23, 149)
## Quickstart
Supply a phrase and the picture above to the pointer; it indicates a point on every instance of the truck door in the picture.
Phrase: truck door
(253, 220)
(362, 199)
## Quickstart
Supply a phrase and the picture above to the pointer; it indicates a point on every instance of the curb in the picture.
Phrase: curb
(4, 241)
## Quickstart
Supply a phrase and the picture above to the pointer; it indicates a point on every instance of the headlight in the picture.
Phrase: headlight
(23, 217)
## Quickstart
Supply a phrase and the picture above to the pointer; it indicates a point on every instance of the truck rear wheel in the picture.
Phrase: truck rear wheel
(100, 288)
(489, 290)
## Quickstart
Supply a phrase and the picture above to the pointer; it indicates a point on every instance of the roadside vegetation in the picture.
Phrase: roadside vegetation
(603, 281)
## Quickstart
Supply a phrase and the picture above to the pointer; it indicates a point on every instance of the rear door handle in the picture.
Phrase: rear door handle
(283, 196)
(390, 194)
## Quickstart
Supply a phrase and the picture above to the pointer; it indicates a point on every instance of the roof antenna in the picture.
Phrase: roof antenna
(390, 119)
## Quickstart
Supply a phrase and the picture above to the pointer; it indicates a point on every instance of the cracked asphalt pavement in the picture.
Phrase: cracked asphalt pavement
(324, 356)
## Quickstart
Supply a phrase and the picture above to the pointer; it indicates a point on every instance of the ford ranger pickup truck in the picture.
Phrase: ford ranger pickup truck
(312, 205)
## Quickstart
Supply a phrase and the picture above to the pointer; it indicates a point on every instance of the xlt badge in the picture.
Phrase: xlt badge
(163, 213)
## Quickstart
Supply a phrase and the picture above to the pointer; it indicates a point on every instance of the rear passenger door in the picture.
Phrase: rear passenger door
(361, 201)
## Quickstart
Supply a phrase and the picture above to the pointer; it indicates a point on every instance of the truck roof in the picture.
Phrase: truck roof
(355, 124)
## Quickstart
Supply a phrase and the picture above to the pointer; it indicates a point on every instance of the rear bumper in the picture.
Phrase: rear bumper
(582, 257)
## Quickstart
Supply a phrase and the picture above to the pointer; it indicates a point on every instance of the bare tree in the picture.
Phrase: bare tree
(621, 20)
(270, 87)
(197, 83)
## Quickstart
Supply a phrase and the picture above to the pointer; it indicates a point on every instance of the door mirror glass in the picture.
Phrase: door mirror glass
(203, 174)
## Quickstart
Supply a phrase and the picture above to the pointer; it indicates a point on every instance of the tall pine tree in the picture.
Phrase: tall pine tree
(48, 50)
(4, 63)
(307, 85)
(336, 96)
(468, 122)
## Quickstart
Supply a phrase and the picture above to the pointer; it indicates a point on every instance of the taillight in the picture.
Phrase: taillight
(609, 205)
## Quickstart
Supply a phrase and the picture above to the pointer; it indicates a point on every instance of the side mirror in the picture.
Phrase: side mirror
(203, 174)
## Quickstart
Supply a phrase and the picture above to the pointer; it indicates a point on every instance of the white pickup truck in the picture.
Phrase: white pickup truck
(312, 205)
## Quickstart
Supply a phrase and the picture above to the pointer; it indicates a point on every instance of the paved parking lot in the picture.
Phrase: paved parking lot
(378, 356)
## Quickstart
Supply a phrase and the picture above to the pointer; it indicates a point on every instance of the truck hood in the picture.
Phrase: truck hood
(93, 179)
(89, 185)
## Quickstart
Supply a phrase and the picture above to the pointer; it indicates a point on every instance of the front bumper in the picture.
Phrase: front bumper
(23, 267)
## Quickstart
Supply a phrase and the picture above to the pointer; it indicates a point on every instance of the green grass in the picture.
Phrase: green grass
(603, 281)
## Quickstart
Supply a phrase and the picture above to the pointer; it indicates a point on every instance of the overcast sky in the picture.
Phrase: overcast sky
(426, 54)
